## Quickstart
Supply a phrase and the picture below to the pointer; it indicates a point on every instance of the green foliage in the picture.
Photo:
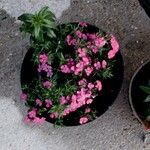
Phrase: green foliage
(147, 99)
(62, 90)
(146, 90)
(40, 26)
(105, 73)
(41, 111)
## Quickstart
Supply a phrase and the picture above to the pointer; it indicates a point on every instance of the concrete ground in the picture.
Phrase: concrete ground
(117, 129)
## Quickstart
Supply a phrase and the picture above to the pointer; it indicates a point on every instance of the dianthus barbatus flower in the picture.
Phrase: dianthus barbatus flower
(43, 58)
(46, 68)
(83, 120)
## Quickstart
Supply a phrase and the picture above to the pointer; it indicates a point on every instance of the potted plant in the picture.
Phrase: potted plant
(139, 94)
(71, 74)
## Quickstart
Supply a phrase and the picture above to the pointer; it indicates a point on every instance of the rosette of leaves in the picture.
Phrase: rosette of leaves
(41, 26)
(146, 90)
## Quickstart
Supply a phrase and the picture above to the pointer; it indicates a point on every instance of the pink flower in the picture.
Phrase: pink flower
(80, 65)
(83, 24)
(47, 84)
(46, 68)
(89, 44)
(89, 101)
(115, 48)
(83, 120)
(23, 97)
(68, 98)
(73, 106)
(89, 70)
(39, 120)
(66, 111)
(114, 44)
(94, 49)
(26, 119)
(111, 54)
(100, 42)
(74, 97)
(98, 85)
(63, 100)
(70, 63)
(48, 103)
(84, 36)
(73, 42)
(104, 64)
(65, 69)
(83, 94)
(87, 110)
(38, 102)
(79, 34)
(43, 58)
(70, 40)
(32, 113)
(91, 36)
(97, 65)
(82, 52)
(77, 71)
(79, 68)
(72, 68)
(83, 82)
(90, 86)
(54, 115)
(86, 61)
(80, 98)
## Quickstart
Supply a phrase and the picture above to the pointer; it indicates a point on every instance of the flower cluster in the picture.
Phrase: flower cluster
(93, 45)
(44, 66)
(32, 117)
(71, 86)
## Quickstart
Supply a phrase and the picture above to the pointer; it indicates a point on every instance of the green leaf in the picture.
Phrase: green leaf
(37, 31)
(49, 24)
(46, 13)
(41, 111)
(51, 34)
(25, 17)
(145, 89)
(147, 99)
(107, 73)
(40, 26)
(148, 118)
(43, 10)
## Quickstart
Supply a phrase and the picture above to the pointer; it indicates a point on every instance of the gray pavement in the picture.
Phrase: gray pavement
(117, 129)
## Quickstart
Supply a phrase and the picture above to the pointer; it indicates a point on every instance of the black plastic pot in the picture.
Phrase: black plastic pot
(136, 95)
(146, 5)
(111, 87)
